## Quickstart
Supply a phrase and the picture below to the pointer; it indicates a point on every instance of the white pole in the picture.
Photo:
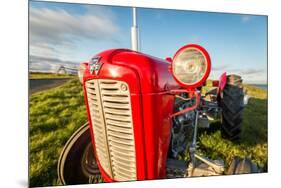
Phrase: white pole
(134, 31)
(134, 16)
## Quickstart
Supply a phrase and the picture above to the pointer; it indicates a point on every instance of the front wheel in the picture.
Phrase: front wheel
(232, 104)
(77, 163)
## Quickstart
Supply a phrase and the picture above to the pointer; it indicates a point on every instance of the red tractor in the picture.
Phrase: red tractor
(144, 112)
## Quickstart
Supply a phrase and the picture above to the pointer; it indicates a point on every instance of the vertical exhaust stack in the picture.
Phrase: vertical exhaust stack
(134, 31)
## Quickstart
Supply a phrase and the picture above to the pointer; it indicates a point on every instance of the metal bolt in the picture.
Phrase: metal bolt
(123, 87)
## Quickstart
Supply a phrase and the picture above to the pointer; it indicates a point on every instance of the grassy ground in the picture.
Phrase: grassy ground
(41, 75)
(56, 113)
(253, 143)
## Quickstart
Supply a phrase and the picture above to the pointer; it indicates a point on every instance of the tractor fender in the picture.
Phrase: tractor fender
(222, 82)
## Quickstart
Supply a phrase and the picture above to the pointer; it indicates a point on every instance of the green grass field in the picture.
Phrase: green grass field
(42, 75)
(56, 113)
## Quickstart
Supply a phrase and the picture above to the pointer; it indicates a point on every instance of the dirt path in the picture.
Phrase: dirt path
(36, 85)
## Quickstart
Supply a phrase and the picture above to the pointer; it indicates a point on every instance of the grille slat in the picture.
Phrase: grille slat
(110, 92)
(124, 168)
(129, 160)
(124, 154)
(122, 147)
(110, 86)
(119, 129)
(121, 141)
(118, 123)
(118, 117)
(117, 105)
(123, 176)
(116, 111)
(115, 98)
(95, 102)
(111, 115)
(119, 134)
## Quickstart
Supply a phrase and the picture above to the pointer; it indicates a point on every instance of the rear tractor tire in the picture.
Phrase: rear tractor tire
(232, 104)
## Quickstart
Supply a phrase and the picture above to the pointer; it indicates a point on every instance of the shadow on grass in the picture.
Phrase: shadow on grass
(253, 142)
(254, 130)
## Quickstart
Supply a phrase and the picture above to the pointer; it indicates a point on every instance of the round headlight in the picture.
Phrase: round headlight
(191, 66)
(81, 69)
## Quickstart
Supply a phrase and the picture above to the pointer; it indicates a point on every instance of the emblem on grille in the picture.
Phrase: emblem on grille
(95, 65)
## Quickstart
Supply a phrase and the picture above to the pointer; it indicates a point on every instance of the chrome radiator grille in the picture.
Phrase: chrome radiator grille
(111, 116)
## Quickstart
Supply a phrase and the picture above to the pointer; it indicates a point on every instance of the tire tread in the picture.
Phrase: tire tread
(232, 108)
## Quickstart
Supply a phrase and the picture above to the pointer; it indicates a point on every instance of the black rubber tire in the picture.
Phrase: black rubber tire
(232, 108)
(242, 166)
(70, 165)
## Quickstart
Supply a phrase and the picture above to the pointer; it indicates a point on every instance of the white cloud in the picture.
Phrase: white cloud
(59, 26)
(57, 33)
(46, 64)
(249, 75)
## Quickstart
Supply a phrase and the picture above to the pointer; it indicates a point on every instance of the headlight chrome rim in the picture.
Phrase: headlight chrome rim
(207, 59)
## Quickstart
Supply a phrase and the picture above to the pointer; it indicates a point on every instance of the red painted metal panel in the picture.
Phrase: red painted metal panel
(222, 81)
(149, 80)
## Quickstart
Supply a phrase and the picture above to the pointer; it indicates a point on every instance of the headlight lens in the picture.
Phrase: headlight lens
(191, 65)
(82, 68)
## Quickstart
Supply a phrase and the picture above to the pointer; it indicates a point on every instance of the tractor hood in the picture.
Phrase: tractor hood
(151, 73)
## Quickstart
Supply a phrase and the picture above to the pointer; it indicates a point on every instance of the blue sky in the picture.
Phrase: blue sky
(71, 33)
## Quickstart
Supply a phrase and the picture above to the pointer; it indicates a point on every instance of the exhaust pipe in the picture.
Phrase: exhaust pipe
(134, 31)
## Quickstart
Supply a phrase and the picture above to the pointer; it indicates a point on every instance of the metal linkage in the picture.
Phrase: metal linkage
(206, 167)
(192, 148)
(216, 165)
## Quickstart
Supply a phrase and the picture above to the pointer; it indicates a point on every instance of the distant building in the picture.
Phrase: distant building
(64, 70)
(61, 70)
